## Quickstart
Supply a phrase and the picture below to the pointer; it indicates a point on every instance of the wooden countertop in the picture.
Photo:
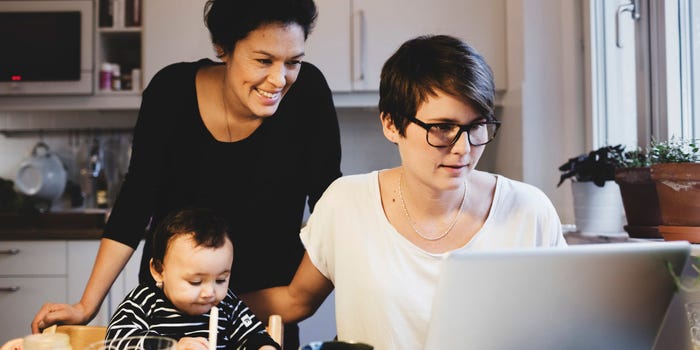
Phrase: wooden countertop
(52, 226)
(578, 238)
(49, 234)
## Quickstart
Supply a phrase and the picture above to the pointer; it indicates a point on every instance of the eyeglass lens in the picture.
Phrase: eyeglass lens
(447, 134)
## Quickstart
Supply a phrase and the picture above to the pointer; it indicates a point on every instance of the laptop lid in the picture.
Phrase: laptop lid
(597, 296)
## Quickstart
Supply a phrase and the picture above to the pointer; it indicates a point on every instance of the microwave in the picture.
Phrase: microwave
(47, 47)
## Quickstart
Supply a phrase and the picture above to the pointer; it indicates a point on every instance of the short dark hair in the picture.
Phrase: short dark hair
(206, 228)
(232, 20)
(434, 62)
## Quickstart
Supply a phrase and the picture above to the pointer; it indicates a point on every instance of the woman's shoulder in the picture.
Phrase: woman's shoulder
(519, 190)
(350, 185)
(355, 179)
(175, 72)
(310, 78)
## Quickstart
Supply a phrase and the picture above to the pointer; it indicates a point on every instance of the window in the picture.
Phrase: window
(644, 62)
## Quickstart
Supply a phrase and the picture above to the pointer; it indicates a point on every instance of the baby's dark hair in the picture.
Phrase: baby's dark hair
(207, 228)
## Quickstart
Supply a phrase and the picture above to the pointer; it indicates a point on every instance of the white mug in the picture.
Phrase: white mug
(42, 175)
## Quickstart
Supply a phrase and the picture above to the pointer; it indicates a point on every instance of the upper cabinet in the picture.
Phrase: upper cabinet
(118, 49)
(174, 32)
(350, 42)
(353, 38)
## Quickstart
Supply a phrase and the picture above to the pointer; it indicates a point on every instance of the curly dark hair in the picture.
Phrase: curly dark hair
(232, 20)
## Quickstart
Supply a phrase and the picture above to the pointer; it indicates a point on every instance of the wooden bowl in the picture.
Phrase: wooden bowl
(82, 336)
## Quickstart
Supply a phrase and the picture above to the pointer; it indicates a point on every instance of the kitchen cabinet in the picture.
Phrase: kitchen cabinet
(350, 43)
(173, 31)
(35, 272)
(353, 38)
(116, 42)
(118, 47)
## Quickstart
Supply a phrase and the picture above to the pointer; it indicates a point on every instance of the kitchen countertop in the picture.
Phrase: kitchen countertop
(49, 234)
(52, 226)
(578, 238)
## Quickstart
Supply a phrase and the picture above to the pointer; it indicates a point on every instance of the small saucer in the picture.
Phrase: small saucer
(680, 233)
(643, 231)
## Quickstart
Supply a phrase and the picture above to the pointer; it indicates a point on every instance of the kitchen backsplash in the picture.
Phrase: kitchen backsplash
(363, 144)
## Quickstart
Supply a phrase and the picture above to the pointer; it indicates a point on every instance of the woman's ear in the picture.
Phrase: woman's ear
(390, 131)
(156, 268)
(220, 52)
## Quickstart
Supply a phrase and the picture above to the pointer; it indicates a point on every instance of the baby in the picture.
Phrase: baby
(191, 264)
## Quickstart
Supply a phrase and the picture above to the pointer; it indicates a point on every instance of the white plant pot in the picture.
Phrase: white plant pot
(598, 210)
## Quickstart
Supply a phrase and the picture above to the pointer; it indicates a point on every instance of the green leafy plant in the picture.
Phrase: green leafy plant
(687, 286)
(674, 151)
(597, 166)
(637, 158)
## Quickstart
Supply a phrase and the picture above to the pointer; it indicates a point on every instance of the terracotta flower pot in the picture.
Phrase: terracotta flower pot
(678, 188)
(640, 200)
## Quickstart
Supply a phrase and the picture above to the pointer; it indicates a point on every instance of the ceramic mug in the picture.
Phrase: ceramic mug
(42, 175)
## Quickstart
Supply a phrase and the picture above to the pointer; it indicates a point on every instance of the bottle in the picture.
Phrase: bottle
(47, 341)
(105, 76)
(136, 79)
(116, 77)
(101, 190)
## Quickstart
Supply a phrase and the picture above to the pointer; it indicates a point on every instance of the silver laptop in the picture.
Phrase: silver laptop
(597, 296)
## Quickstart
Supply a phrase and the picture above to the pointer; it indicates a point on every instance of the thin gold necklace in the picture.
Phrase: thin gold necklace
(412, 224)
(223, 100)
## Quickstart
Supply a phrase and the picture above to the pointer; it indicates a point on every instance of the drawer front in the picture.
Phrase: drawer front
(21, 298)
(33, 258)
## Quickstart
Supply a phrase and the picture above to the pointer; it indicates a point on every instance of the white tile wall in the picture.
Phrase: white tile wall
(364, 146)
(15, 148)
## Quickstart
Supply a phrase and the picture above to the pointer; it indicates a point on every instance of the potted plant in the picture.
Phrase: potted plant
(639, 197)
(675, 170)
(598, 205)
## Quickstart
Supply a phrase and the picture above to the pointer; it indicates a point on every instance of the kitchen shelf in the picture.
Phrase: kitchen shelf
(107, 101)
(26, 132)
(108, 30)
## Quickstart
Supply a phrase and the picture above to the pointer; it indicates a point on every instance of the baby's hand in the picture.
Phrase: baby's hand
(189, 343)
(264, 347)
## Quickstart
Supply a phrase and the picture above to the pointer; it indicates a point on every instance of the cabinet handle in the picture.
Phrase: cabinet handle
(9, 289)
(12, 251)
(359, 47)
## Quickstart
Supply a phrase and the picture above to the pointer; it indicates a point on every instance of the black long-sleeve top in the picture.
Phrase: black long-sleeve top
(260, 184)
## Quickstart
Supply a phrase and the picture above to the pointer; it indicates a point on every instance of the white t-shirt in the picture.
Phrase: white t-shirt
(384, 284)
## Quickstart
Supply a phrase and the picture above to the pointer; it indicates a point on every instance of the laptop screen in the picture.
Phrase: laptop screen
(598, 296)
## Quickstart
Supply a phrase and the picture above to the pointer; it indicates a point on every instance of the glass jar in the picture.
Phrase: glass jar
(55, 341)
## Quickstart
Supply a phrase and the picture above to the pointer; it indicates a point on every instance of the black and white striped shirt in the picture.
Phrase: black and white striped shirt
(147, 311)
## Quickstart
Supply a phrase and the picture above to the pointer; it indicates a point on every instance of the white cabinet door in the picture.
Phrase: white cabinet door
(173, 31)
(352, 40)
(31, 274)
(81, 259)
(32, 258)
(328, 46)
(127, 280)
(21, 298)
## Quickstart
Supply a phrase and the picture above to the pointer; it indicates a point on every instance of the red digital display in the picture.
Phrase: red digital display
(16, 78)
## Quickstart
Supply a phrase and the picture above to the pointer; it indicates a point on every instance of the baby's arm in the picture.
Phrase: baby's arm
(247, 331)
(130, 318)
(189, 343)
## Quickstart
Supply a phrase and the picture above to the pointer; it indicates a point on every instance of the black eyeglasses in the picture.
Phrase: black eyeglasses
(446, 134)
